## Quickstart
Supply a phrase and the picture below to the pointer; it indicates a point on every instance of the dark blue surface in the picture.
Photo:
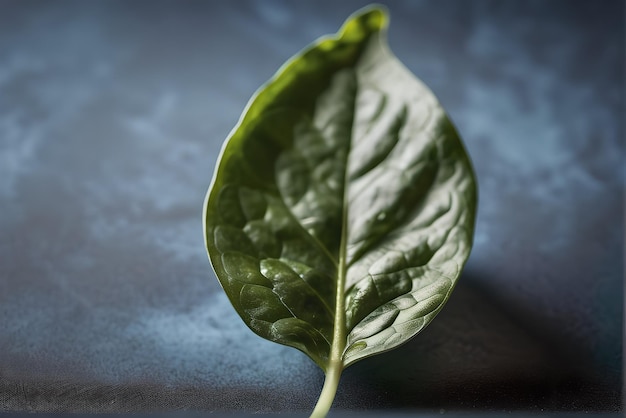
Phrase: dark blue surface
(111, 118)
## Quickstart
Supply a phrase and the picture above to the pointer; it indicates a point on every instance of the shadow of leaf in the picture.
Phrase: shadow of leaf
(478, 355)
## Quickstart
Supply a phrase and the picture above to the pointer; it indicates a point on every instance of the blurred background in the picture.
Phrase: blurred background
(112, 114)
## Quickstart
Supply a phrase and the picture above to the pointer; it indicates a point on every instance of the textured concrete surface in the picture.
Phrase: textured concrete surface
(111, 118)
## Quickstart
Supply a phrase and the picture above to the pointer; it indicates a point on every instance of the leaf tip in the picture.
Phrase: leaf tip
(365, 22)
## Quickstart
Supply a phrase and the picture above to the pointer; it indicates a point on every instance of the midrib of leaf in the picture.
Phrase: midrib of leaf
(335, 361)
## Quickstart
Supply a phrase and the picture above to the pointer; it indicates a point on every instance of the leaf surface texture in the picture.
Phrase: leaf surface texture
(342, 208)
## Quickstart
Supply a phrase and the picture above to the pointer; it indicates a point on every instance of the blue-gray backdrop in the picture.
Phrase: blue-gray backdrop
(112, 114)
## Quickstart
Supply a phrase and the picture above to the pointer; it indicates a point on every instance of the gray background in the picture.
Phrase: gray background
(112, 115)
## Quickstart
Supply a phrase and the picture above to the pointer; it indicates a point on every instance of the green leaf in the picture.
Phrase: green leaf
(342, 208)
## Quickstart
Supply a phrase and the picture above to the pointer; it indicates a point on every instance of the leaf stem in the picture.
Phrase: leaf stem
(331, 382)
